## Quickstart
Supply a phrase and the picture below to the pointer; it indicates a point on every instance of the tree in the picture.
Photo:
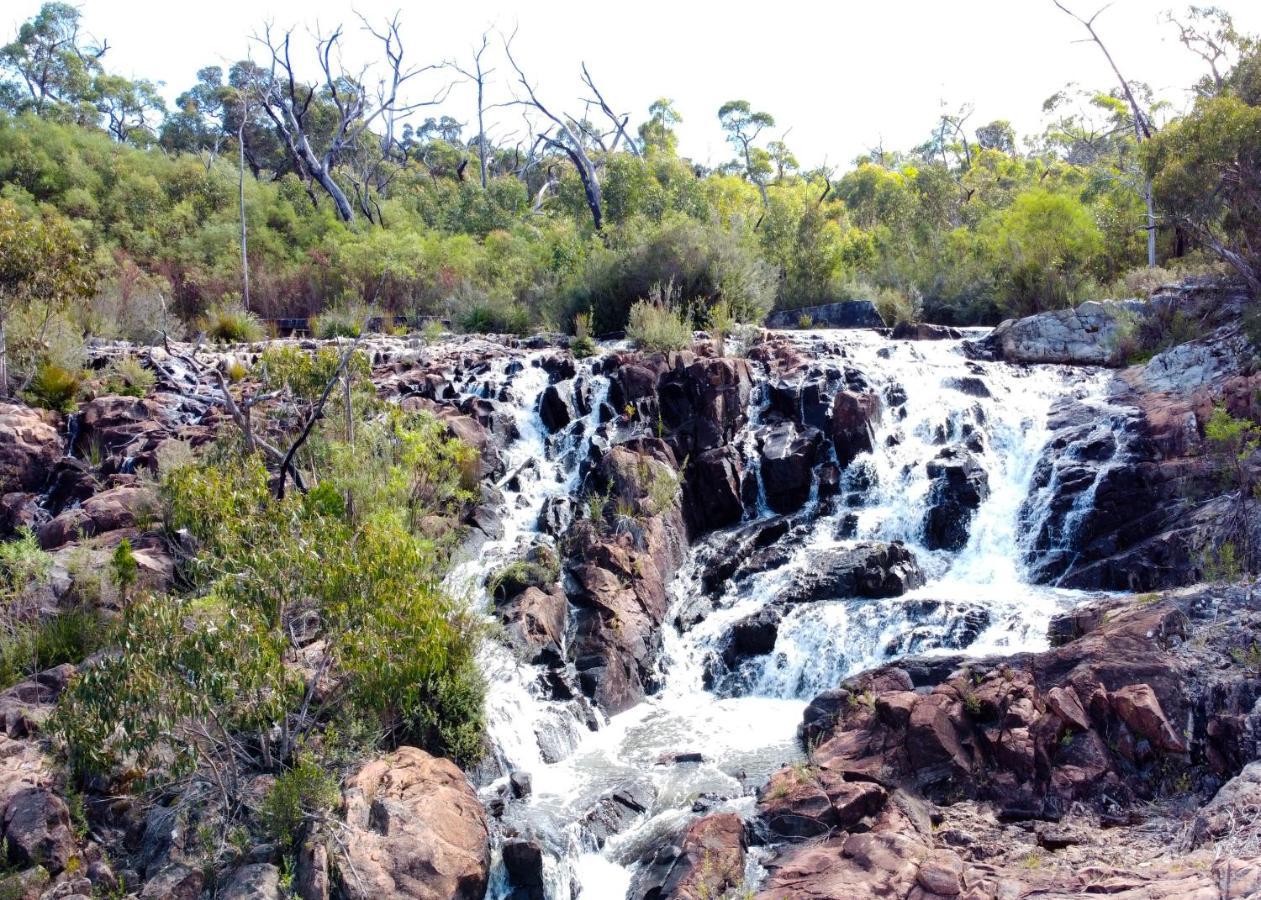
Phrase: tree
(291, 106)
(53, 68)
(743, 127)
(41, 263)
(1143, 127)
(1046, 241)
(657, 133)
(478, 74)
(997, 135)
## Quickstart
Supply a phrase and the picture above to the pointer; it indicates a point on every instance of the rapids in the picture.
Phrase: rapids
(977, 600)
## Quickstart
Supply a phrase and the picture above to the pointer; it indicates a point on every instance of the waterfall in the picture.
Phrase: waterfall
(976, 600)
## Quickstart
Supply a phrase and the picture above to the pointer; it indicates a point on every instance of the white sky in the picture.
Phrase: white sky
(841, 75)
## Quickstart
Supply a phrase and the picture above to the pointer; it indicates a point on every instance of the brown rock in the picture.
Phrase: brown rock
(416, 830)
(707, 862)
(536, 623)
(258, 881)
(1139, 708)
(37, 829)
(853, 431)
(29, 447)
(175, 882)
(942, 873)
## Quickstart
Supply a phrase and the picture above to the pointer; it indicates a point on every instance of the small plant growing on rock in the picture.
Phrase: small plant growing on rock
(657, 327)
(123, 569)
(301, 793)
(53, 388)
(228, 324)
(805, 322)
(582, 345)
(128, 377)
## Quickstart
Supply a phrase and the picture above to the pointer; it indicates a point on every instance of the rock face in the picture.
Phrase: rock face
(847, 314)
(619, 580)
(29, 446)
(960, 484)
(788, 458)
(872, 569)
(707, 860)
(853, 432)
(1090, 335)
(917, 768)
(415, 830)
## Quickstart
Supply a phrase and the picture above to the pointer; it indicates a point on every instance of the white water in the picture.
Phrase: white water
(745, 737)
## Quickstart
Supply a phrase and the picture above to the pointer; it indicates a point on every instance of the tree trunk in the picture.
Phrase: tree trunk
(481, 131)
(1151, 224)
(245, 258)
(4, 357)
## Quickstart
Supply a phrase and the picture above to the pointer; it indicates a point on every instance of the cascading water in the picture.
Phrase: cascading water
(976, 600)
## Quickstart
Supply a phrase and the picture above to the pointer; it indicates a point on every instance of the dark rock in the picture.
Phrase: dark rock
(614, 811)
(923, 331)
(523, 860)
(852, 427)
(788, 458)
(959, 485)
(556, 406)
(520, 784)
(871, 569)
(713, 490)
(37, 830)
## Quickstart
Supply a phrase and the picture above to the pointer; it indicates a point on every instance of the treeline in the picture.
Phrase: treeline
(344, 196)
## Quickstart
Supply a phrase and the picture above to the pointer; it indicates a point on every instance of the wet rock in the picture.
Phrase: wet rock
(704, 403)
(613, 812)
(520, 784)
(523, 860)
(872, 569)
(754, 635)
(852, 426)
(923, 331)
(535, 619)
(788, 458)
(713, 490)
(29, 447)
(72, 482)
(415, 829)
(680, 756)
(707, 860)
(971, 385)
(556, 407)
(959, 485)
(555, 516)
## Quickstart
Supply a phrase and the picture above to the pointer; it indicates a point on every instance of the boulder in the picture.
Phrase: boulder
(788, 456)
(29, 447)
(175, 882)
(556, 406)
(845, 314)
(959, 485)
(523, 861)
(617, 809)
(871, 569)
(257, 881)
(126, 506)
(415, 829)
(37, 829)
(707, 860)
(924, 331)
(535, 619)
(853, 424)
(1090, 335)
(713, 490)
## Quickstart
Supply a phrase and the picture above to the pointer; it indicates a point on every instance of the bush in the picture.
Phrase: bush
(128, 377)
(805, 321)
(340, 323)
(54, 388)
(232, 325)
(303, 791)
(32, 647)
(656, 327)
(897, 306)
(582, 345)
(704, 264)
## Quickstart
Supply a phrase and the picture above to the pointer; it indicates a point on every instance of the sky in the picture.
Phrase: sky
(839, 77)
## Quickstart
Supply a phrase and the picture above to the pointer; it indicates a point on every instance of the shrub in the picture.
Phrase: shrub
(540, 568)
(805, 321)
(227, 324)
(340, 323)
(582, 345)
(31, 647)
(128, 377)
(303, 791)
(658, 328)
(53, 388)
(897, 306)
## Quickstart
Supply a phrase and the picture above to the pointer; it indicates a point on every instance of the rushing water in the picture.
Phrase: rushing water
(747, 728)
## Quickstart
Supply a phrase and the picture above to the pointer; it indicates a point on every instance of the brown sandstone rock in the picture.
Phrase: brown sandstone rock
(416, 830)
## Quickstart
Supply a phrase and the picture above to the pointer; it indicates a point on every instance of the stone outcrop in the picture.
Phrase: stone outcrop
(706, 860)
(1089, 335)
(846, 314)
(959, 485)
(788, 458)
(30, 444)
(872, 569)
(415, 829)
(948, 778)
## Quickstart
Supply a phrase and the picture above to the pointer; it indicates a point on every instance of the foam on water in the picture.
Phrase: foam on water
(751, 731)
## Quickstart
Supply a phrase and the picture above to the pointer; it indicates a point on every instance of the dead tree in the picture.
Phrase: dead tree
(288, 103)
(572, 136)
(1143, 128)
(478, 75)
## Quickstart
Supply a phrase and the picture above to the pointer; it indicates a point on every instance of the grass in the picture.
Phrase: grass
(657, 327)
(54, 388)
(232, 325)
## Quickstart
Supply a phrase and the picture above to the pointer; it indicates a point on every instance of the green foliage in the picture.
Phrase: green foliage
(582, 345)
(226, 324)
(23, 565)
(301, 793)
(128, 377)
(54, 388)
(657, 327)
(123, 568)
(353, 553)
(339, 323)
(305, 373)
(540, 568)
(31, 646)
